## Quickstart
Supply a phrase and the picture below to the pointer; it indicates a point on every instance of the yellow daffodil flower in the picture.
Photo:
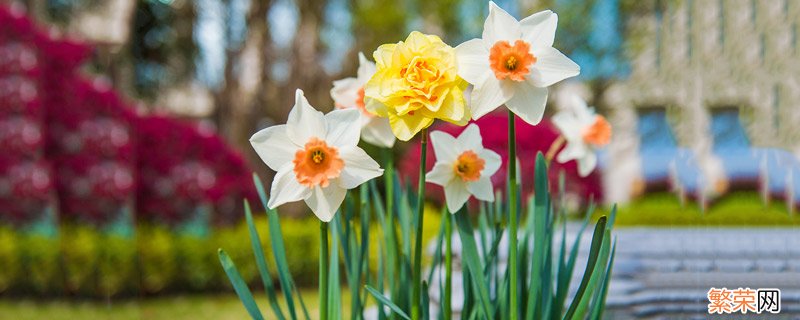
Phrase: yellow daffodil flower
(416, 81)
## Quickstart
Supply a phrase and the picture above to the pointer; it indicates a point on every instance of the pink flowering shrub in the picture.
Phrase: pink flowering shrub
(530, 140)
(76, 146)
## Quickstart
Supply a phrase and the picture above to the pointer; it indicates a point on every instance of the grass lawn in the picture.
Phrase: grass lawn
(735, 209)
(195, 307)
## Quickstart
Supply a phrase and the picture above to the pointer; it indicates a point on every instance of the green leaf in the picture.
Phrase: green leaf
(279, 251)
(598, 305)
(470, 255)
(387, 302)
(261, 262)
(598, 241)
(565, 273)
(334, 281)
(425, 301)
(239, 286)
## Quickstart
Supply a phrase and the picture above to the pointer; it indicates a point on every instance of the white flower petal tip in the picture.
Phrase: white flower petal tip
(500, 25)
(463, 167)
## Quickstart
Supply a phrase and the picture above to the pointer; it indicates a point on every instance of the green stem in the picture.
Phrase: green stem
(388, 175)
(512, 212)
(448, 263)
(416, 294)
(323, 271)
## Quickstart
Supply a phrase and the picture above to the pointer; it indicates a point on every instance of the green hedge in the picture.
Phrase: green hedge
(84, 261)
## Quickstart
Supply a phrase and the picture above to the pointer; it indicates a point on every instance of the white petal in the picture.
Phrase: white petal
(456, 195)
(539, 29)
(378, 132)
(345, 92)
(587, 163)
(473, 60)
(500, 26)
(568, 124)
(285, 188)
(528, 102)
(325, 201)
(304, 121)
(366, 69)
(441, 174)
(487, 96)
(358, 167)
(482, 189)
(445, 147)
(273, 146)
(493, 162)
(552, 66)
(573, 150)
(470, 138)
(344, 127)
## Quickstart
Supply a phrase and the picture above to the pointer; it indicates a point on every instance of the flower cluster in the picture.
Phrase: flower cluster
(415, 81)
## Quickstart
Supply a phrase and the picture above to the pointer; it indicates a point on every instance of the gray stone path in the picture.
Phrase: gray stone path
(666, 272)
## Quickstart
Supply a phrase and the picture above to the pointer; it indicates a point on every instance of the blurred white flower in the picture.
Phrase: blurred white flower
(513, 64)
(316, 158)
(463, 167)
(584, 131)
(348, 93)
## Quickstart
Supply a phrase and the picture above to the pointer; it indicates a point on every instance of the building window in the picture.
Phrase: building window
(654, 129)
(727, 130)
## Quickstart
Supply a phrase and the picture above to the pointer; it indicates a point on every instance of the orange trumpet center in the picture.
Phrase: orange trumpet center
(599, 133)
(360, 103)
(317, 164)
(468, 166)
(511, 61)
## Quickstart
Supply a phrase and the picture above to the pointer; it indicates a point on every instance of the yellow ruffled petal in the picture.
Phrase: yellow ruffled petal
(407, 126)
(416, 82)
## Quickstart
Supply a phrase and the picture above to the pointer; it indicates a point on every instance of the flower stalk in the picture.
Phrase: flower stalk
(323, 270)
(512, 213)
(448, 264)
(417, 291)
(557, 144)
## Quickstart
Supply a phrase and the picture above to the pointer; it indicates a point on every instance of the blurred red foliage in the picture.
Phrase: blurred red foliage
(71, 143)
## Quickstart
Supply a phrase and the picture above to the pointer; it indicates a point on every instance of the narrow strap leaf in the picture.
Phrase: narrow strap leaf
(470, 255)
(261, 263)
(594, 253)
(387, 302)
(279, 251)
(239, 286)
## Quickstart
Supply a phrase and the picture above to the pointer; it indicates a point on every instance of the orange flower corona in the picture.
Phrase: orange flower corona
(511, 61)
(599, 133)
(317, 164)
(468, 166)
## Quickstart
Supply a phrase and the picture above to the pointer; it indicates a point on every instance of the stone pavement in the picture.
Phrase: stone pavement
(665, 273)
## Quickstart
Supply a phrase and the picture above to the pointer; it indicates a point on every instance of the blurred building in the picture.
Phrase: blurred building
(711, 102)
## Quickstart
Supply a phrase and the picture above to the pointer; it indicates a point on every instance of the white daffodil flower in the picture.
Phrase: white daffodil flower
(463, 167)
(584, 132)
(348, 93)
(513, 64)
(316, 157)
